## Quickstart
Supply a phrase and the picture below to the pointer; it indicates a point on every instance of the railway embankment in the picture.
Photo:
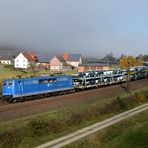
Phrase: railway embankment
(38, 129)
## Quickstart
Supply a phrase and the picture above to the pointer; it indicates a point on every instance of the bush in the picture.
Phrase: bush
(110, 107)
(75, 118)
(140, 96)
(122, 105)
(38, 127)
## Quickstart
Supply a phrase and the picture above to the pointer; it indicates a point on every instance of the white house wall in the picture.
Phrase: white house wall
(56, 68)
(75, 63)
(21, 62)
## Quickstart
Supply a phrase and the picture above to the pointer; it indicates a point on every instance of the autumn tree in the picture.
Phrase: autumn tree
(139, 61)
(126, 62)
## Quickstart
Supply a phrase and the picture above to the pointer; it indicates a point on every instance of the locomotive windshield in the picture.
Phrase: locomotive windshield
(4, 83)
(7, 83)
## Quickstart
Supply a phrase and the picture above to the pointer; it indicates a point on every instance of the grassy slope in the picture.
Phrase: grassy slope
(137, 136)
(132, 132)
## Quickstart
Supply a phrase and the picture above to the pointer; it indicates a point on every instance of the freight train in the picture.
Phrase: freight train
(23, 89)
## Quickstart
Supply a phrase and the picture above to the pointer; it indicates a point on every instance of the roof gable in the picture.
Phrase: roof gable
(60, 58)
(30, 56)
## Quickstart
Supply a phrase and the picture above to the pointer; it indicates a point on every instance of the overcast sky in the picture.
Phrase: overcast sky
(89, 27)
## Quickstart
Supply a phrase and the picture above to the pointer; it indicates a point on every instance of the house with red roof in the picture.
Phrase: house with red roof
(24, 60)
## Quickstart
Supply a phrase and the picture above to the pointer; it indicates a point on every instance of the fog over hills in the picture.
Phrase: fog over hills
(90, 27)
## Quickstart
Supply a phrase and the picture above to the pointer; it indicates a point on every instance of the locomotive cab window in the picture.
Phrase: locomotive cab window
(4, 83)
(9, 83)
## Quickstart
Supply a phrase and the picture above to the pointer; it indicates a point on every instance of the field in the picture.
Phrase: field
(9, 72)
(34, 130)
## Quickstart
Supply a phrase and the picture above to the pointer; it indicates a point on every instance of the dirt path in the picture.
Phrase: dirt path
(16, 110)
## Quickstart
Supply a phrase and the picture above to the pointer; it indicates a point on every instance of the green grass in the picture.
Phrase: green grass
(34, 130)
(132, 132)
(136, 137)
(115, 66)
(8, 73)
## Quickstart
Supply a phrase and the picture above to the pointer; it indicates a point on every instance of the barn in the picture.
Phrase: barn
(92, 66)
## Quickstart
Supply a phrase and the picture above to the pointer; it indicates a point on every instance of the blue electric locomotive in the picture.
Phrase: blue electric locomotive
(28, 88)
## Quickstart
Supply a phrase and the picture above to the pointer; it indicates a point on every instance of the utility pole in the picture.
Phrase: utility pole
(128, 74)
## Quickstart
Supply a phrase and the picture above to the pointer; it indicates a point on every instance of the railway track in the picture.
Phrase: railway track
(60, 142)
(23, 109)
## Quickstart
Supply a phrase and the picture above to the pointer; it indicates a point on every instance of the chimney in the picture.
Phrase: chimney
(65, 56)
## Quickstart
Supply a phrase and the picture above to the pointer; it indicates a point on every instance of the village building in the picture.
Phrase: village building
(73, 59)
(57, 63)
(8, 60)
(25, 60)
(43, 61)
(92, 66)
(7, 56)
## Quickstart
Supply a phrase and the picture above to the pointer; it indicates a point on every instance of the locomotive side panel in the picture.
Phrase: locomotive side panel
(40, 85)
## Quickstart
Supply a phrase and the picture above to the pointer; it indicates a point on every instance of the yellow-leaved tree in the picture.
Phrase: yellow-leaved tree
(139, 62)
(126, 62)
